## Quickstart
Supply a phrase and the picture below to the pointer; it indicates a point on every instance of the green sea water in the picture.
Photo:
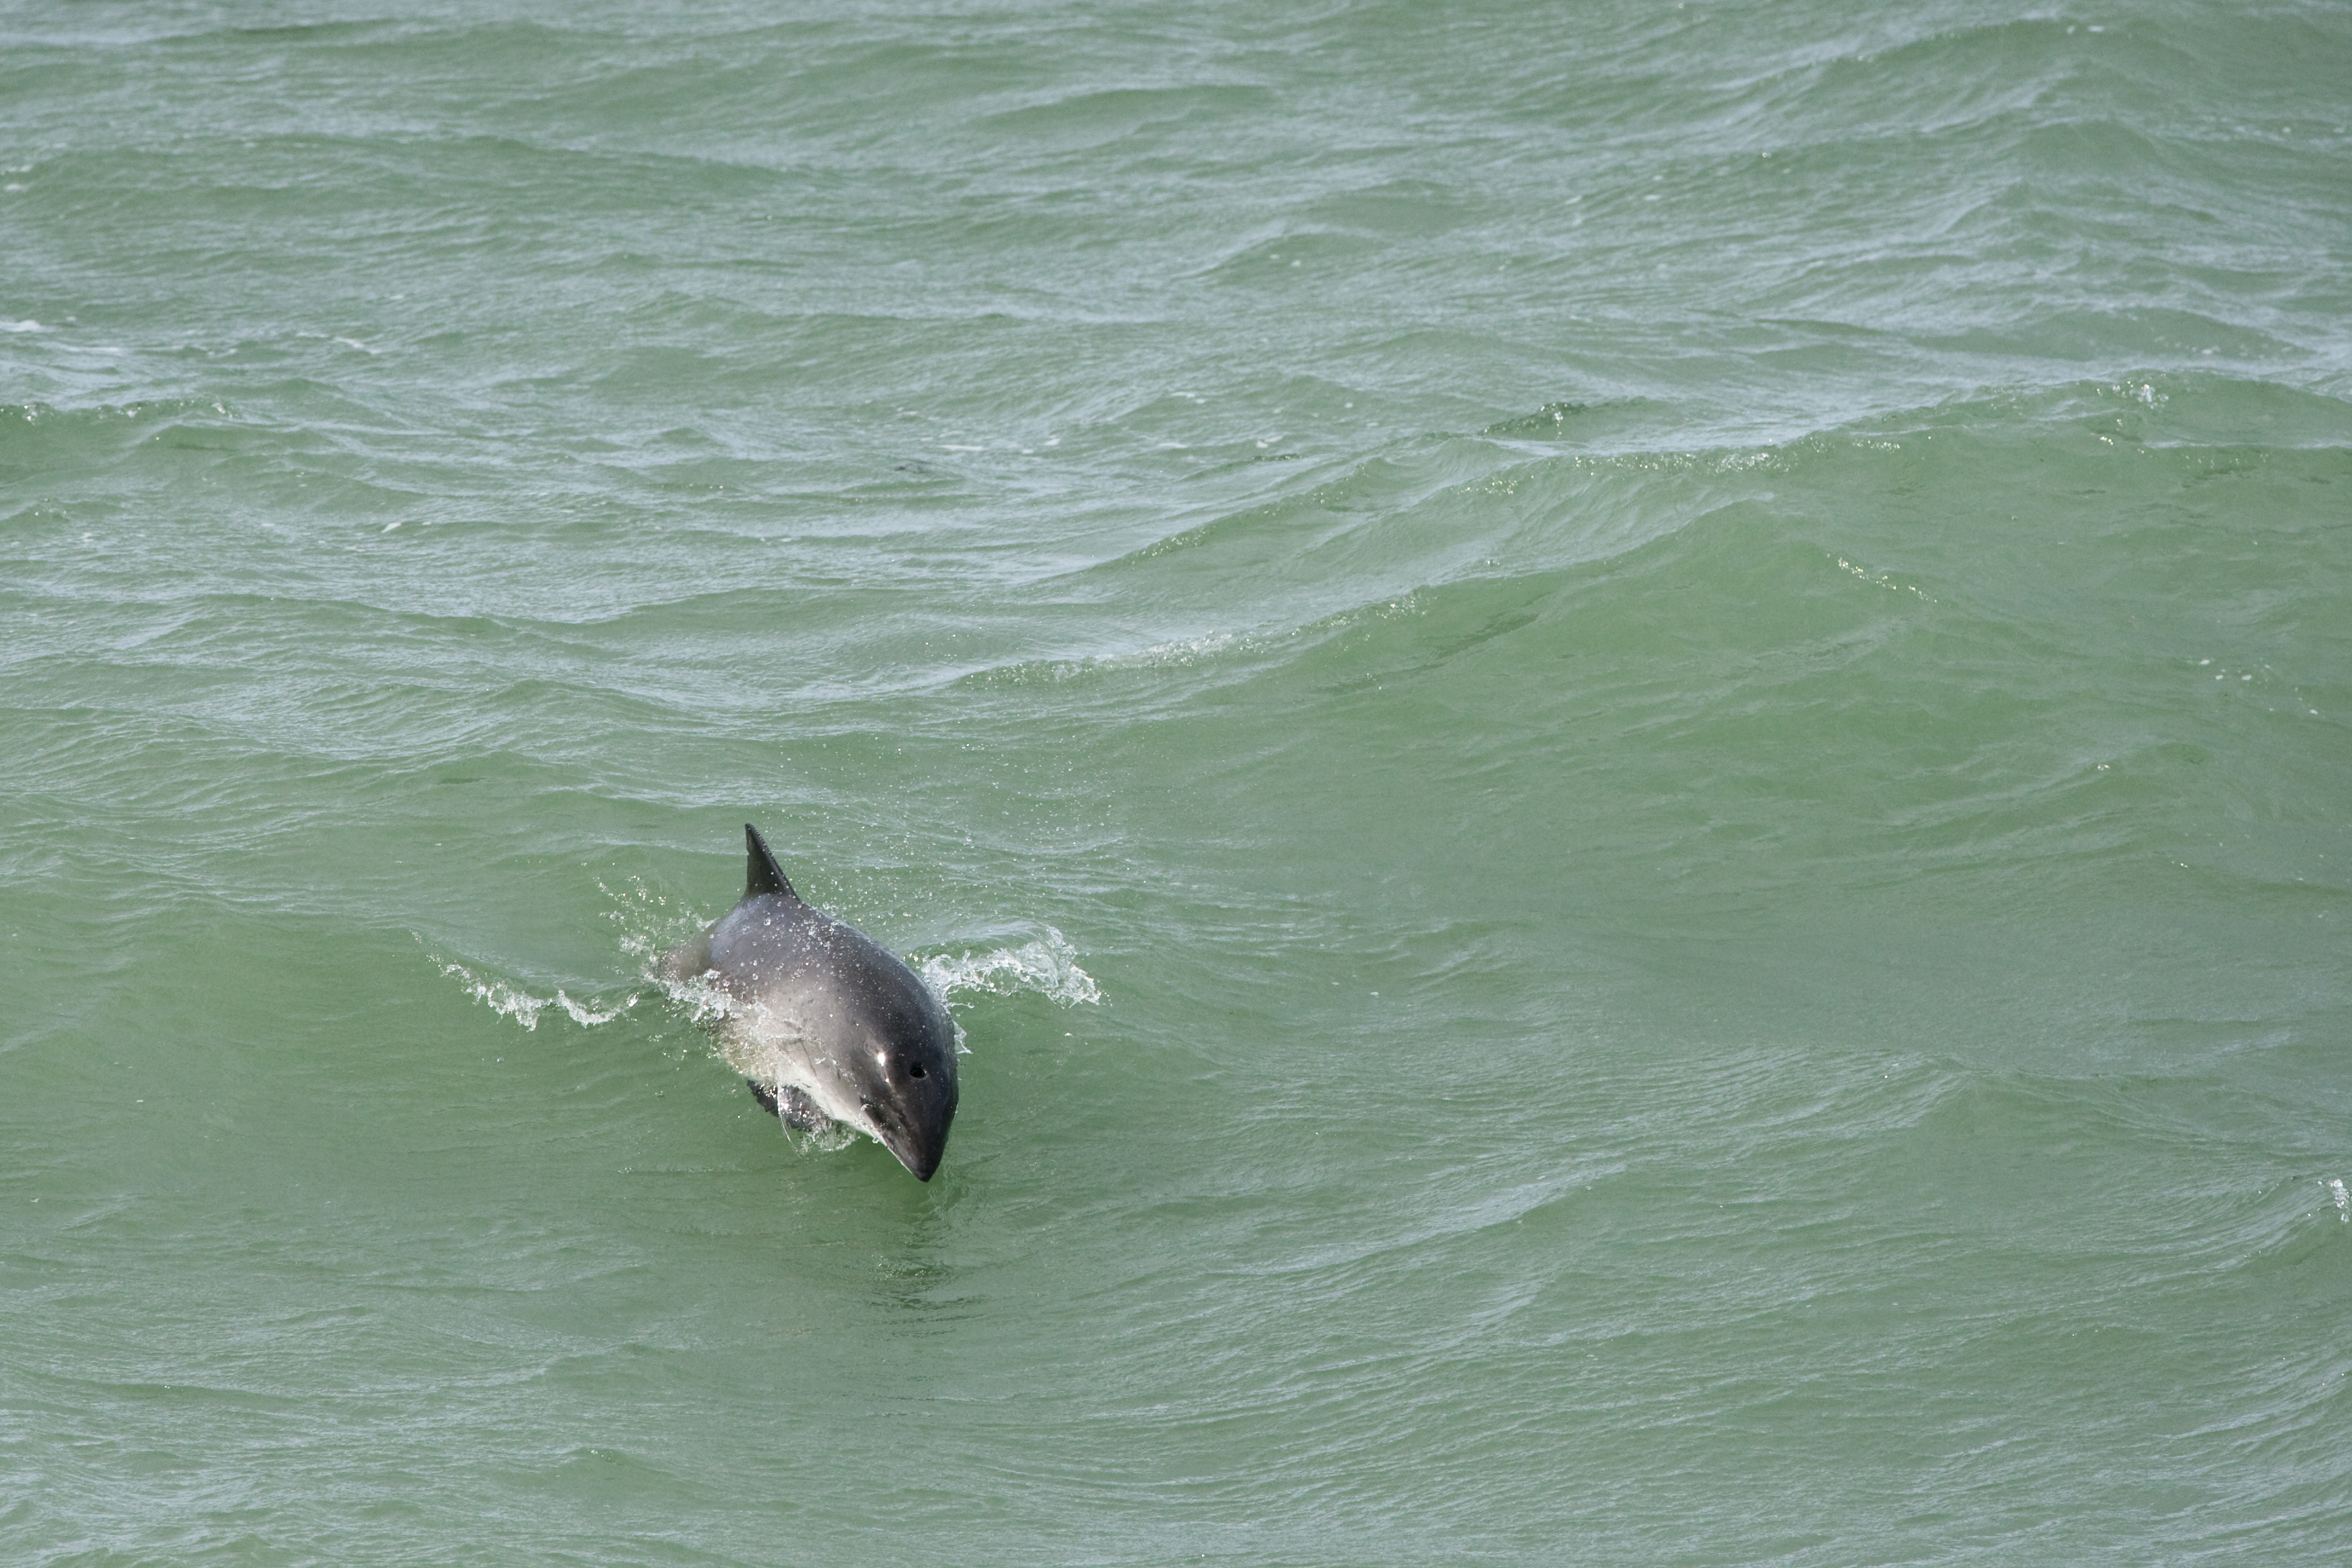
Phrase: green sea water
(1626, 731)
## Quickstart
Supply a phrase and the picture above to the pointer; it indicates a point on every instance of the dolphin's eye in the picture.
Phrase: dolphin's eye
(914, 1069)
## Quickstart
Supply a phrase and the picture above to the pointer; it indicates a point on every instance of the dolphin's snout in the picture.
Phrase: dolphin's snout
(918, 1149)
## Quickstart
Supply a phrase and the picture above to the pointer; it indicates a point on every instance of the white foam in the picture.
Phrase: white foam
(700, 996)
(588, 1017)
(829, 1138)
(500, 997)
(1046, 965)
(2343, 1200)
(1177, 653)
(512, 1001)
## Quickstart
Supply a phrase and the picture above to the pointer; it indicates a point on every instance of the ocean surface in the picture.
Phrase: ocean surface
(1624, 729)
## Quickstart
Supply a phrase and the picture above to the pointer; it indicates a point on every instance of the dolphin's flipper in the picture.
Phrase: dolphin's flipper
(789, 1106)
(762, 874)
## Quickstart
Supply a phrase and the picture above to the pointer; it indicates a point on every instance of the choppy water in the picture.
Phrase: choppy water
(1625, 729)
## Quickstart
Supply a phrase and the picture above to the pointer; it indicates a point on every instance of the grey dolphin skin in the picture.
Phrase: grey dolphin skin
(842, 1030)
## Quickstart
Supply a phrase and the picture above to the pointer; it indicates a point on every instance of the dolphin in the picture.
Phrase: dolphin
(838, 1027)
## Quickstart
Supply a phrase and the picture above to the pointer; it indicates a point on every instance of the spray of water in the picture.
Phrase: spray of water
(506, 997)
(1046, 965)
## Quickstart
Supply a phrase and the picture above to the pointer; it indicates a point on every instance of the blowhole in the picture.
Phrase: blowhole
(914, 1069)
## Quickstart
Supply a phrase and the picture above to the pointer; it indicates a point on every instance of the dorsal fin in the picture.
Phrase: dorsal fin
(762, 874)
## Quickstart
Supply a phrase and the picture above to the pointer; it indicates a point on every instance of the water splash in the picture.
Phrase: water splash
(652, 923)
(500, 997)
(512, 1001)
(829, 1138)
(1047, 964)
(2335, 1185)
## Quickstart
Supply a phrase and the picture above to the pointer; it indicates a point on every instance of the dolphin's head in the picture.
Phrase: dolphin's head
(905, 1077)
